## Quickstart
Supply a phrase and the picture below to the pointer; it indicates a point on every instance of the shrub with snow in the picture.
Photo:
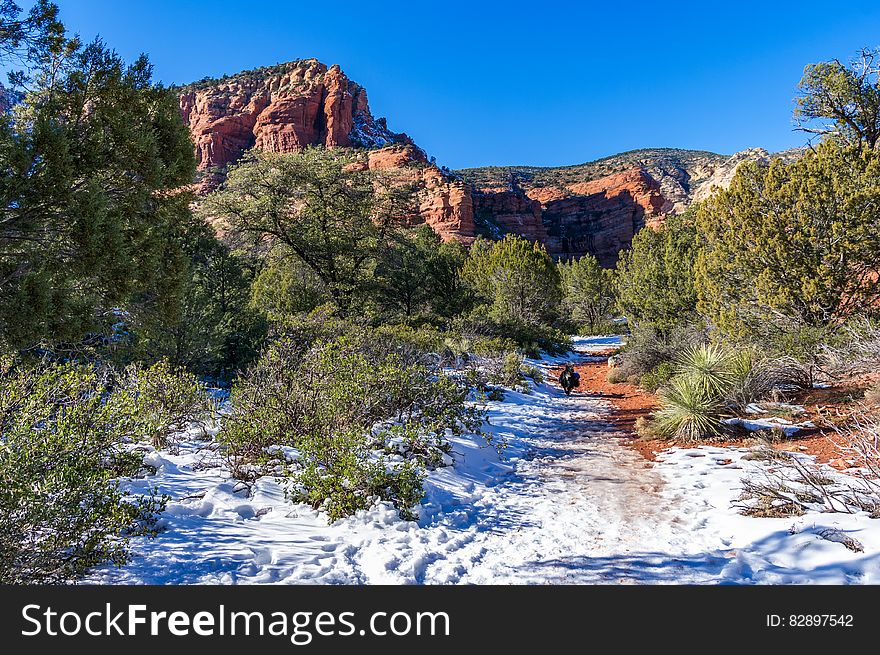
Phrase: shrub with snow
(68, 432)
(364, 415)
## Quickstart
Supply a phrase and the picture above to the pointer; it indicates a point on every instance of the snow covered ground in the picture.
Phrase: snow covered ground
(565, 503)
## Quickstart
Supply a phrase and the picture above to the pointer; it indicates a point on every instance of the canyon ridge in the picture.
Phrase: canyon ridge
(593, 208)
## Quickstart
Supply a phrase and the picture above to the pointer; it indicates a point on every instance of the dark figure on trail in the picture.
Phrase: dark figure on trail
(569, 379)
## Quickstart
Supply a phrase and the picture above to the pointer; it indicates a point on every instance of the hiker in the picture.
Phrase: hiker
(569, 379)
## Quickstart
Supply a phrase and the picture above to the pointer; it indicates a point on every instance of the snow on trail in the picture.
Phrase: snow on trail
(566, 503)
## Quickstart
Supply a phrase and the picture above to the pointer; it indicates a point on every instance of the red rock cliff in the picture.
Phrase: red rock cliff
(601, 217)
(288, 107)
(280, 109)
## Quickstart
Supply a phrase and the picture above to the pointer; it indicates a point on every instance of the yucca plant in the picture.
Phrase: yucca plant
(709, 367)
(690, 411)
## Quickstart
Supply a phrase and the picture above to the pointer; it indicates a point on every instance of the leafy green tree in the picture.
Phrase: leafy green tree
(516, 278)
(795, 246)
(323, 206)
(450, 294)
(655, 278)
(285, 287)
(842, 101)
(91, 159)
(588, 292)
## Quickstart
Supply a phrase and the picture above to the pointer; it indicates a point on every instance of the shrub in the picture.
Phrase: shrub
(657, 376)
(532, 372)
(588, 294)
(655, 277)
(617, 375)
(166, 400)
(341, 402)
(709, 366)
(64, 443)
(531, 339)
(791, 250)
(754, 377)
(646, 428)
(207, 325)
(647, 348)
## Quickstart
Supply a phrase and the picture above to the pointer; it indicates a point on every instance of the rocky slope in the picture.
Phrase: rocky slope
(678, 172)
(594, 208)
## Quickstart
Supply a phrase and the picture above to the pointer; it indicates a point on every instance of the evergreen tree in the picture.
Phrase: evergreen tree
(322, 206)
(516, 278)
(418, 273)
(588, 292)
(655, 278)
(842, 101)
(91, 160)
(793, 245)
(211, 328)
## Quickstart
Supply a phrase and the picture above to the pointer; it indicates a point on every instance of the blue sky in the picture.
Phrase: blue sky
(541, 82)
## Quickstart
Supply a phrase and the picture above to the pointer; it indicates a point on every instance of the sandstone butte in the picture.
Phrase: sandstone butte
(290, 106)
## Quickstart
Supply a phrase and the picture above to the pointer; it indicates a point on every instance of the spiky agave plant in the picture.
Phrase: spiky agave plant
(690, 411)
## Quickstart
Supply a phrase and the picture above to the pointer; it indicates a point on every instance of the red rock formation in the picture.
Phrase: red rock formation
(602, 216)
(511, 212)
(291, 106)
(282, 109)
(445, 202)
(447, 206)
(636, 183)
(546, 194)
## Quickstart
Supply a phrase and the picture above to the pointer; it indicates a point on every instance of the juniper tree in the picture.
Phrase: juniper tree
(796, 246)
(655, 279)
(588, 292)
(842, 101)
(322, 206)
(516, 278)
(91, 159)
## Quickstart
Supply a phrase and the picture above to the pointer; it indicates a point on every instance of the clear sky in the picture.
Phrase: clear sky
(540, 82)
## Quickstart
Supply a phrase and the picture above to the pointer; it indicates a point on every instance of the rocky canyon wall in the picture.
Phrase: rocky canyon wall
(592, 208)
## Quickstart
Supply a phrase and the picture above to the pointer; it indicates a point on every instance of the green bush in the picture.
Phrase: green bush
(532, 339)
(588, 294)
(616, 375)
(516, 279)
(66, 438)
(207, 325)
(647, 348)
(341, 402)
(788, 251)
(655, 277)
(166, 400)
(709, 366)
(657, 376)
(532, 372)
